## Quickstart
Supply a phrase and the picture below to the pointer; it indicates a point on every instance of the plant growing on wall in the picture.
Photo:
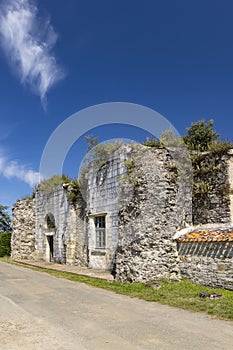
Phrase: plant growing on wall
(152, 142)
(207, 153)
(72, 187)
(130, 165)
(205, 156)
(99, 153)
(200, 136)
(74, 194)
(167, 139)
(98, 156)
(209, 166)
(48, 185)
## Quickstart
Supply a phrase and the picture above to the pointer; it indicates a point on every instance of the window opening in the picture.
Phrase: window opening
(100, 231)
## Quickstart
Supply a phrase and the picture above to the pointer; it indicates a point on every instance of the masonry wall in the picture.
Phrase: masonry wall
(23, 230)
(159, 207)
(230, 175)
(68, 234)
(212, 198)
(207, 263)
(146, 200)
(104, 198)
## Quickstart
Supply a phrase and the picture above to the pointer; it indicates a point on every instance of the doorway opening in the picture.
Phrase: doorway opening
(49, 232)
(50, 242)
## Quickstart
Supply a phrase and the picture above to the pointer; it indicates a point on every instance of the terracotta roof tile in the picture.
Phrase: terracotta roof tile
(209, 235)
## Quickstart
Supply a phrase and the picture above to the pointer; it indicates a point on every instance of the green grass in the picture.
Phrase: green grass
(182, 294)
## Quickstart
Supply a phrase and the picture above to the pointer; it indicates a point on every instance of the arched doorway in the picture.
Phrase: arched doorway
(49, 232)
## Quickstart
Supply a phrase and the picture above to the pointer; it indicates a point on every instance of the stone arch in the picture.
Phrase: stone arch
(50, 221)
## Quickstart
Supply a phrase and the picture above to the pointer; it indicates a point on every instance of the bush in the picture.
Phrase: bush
(167, 139)
(200, 136)
(47, 186)
(5, 244)
(152, 142)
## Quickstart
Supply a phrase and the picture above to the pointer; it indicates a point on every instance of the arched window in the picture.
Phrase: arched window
(50, 221)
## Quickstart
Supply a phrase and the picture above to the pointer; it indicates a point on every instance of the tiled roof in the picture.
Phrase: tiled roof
(209, 235)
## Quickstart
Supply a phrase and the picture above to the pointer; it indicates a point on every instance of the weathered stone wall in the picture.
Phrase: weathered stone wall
(104, 198)
(76, 236)
(211, 195)
(23, 230)
(211, 263)
(66, 238)
(145, 199)
(159, 207)
(230, 174)
(207, 263)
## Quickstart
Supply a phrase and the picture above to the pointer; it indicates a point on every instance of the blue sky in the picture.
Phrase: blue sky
(57, 58)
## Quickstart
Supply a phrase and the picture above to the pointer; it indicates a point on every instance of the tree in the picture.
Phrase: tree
(200, 136)
(5, 221)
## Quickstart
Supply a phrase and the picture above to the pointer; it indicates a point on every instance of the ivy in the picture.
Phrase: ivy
(74, 195)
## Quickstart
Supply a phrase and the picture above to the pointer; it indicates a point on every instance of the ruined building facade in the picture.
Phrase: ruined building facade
(138, 218)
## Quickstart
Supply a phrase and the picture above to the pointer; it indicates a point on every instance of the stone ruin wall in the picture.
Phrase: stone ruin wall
(211, 263)
(214, 205)
(68, 238)
(103, 197)
(146, 249)
(207, 263)
(147, 223)
(230, 176)
(23, 230)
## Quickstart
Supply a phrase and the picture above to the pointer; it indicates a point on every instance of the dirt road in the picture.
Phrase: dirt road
(39, 312)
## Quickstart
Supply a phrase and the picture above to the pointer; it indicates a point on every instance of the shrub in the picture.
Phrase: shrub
(5, 244)
(167, 139)
(200, 136)
(48, 185)
(152, 142)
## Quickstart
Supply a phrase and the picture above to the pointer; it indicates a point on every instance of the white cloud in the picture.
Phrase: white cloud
(12, 169)
(28, 44)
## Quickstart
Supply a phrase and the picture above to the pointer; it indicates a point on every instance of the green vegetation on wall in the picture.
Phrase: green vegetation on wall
(99, 152)
(167, 139)
(48, 185)
(200, 136)
(201, 140)
(205, 149)
(73, 193)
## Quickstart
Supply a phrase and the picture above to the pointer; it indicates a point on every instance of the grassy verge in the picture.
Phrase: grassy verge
(182, 294)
